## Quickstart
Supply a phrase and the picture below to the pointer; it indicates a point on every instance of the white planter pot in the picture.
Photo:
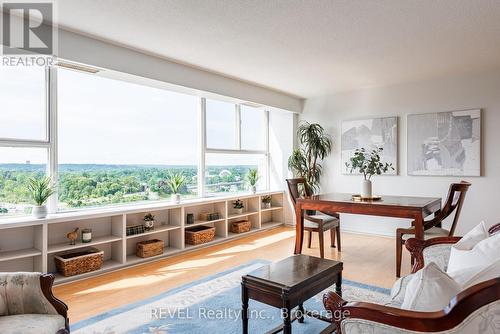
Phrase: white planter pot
(238, 211)
(253, 189)
(176, 198)
(366, 189)
(39, 211)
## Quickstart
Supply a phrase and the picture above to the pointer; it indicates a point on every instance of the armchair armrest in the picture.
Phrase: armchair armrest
(46, 283)
(460, 307)
(416, 248)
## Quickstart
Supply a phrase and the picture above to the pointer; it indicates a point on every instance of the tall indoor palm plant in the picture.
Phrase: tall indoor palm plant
(315, 145)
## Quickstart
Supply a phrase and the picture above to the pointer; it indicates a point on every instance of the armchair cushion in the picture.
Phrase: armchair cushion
(31, 324)
(21, 293)
(430, 289)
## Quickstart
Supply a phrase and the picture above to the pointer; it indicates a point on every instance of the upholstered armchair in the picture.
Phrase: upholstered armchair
(474, 310)
(28, 306)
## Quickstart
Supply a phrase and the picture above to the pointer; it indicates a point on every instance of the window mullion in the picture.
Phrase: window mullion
(238, 126)
(202, 145)
(52, 134)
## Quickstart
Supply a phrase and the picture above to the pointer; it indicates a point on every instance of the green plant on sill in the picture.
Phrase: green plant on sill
(252, 177)
(175, 182)
(40, 189)
(238, 204)
(305, 161)
(368, 163)
(149, 217)
(266, 199)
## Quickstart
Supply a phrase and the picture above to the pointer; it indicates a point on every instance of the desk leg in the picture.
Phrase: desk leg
(338, 285)
(299, 229)
(244, 308)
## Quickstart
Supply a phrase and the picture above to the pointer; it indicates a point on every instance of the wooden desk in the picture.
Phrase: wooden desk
(416, 208)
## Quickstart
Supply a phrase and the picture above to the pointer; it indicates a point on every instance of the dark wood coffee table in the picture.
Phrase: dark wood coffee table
(289, 283)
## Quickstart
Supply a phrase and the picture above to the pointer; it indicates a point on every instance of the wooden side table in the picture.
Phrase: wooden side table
(289, 283)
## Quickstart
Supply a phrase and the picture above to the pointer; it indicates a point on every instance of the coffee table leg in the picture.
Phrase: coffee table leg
(300, 318)
(244, 308)
(338, 285)
(287, 320)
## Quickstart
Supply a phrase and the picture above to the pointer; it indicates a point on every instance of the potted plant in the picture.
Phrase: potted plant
(149, 222)
(40, 189)
(305, 161)
(266, 201)
(368, 164)
(238, 207)
(175, 182)
(252, 177)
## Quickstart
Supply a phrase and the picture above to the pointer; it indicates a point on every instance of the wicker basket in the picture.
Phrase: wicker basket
(240, 226)
(199, 235)
(149, 248)
(75, 263)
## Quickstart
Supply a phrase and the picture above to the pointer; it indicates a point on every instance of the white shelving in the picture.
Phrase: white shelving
(28, 244)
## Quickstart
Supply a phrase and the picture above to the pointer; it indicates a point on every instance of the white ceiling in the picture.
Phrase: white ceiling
(303, 47)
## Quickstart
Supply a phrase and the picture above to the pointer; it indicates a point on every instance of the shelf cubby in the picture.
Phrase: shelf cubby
(21, 243)
(172, 243)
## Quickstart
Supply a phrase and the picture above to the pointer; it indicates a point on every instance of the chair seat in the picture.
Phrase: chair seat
(433, 232)
(31, 324)
(329, 222)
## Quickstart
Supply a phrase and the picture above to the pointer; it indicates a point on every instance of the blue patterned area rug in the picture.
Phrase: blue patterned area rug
(212, 305)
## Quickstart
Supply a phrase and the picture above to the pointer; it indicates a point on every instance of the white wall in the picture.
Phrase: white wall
(454, 93)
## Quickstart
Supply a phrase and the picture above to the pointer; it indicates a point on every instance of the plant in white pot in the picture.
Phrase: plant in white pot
(40, 189)
(368, 164)
(238, 207)
(175, 182)
(252, 178)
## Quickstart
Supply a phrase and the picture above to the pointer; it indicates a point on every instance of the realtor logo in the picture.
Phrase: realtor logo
(27, 28)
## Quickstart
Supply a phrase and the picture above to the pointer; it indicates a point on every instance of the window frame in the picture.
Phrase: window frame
(51, 141)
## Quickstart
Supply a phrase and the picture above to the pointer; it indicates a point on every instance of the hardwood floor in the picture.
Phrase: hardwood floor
(367, 259)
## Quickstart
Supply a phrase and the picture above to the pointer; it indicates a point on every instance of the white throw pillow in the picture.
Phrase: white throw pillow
(474, 275)
(430, 289)
(465, 263)
(477, 234)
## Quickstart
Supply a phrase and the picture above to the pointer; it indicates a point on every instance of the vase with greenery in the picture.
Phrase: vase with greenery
(175, 181)
(315, 146)
(368, 164)
(238, 207)
(40, 189)
(149, 222)
(266, 201)
(252, 178)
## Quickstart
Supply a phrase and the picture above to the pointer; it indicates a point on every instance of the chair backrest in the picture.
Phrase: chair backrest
(454, 203)
(293, 188)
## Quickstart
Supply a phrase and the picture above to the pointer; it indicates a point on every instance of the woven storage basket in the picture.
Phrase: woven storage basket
(149, 248)
(75, 263)
(199, 235)
(240, 226)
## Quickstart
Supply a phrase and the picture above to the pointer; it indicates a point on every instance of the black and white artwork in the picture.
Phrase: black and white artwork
(369, 134)
(445, 143)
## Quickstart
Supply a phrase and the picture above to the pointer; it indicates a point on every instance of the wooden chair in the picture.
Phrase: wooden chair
(321, 222)
(476, 305)
(432, 228)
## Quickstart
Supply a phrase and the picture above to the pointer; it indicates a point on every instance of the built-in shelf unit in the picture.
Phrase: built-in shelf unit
(28, 244)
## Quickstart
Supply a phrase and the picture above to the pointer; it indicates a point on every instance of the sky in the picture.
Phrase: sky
(106, 121)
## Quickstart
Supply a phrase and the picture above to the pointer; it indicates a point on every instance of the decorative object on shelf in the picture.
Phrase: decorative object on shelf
(40, 189)
(370, 133)
(76, 263)
(72, 236)
(360, 198)
(445, 143)
(149, 248)
(149, 222)
(368, 164)
(252, 178)
(240, 226)
(238, 207)
(199, 235)
(266, 201)
(86, 235)
(175, 182)
(190, 218)
(134, 229)
(305, 161)
(209, 216)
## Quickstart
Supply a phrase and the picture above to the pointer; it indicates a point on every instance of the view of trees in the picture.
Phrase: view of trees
(96, 185)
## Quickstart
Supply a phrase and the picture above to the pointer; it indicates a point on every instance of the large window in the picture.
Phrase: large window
(107, 142)
(118, 141)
